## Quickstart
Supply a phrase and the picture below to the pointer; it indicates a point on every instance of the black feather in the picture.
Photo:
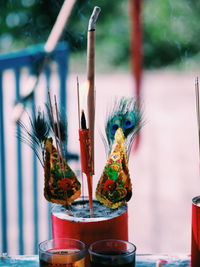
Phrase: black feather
(35, 134)
(62, 124)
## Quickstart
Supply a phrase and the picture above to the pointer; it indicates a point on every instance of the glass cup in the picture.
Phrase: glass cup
(62, 252)
(112, 252)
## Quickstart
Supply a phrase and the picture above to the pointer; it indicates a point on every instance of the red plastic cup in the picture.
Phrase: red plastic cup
(195, 249)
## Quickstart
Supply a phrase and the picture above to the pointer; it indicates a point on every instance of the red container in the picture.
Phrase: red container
(195, 250)
(89, 230)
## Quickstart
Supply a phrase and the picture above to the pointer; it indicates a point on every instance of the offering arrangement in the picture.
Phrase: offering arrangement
(47, 136)
(73, 214)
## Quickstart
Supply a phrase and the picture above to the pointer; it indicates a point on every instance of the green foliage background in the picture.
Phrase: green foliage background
(171, 30)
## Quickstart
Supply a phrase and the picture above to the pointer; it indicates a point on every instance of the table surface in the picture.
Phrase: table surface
(141, 261)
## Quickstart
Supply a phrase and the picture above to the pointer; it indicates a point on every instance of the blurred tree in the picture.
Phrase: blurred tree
(30, 21)
(171, 28)
(171, 31)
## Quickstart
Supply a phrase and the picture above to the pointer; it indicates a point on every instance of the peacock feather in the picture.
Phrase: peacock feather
(114, 187)
(35, 133)
(126, 114)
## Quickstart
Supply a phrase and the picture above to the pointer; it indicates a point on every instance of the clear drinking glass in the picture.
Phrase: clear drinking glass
(112, 252)
(62, 252)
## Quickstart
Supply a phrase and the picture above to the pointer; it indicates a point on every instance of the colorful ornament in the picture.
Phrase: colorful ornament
(124, 121)
(114, 187)
(61, 184)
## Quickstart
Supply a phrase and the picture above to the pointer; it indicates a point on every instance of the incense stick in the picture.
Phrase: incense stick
(59, 132)
(88, 158)
(79, 122)
(60, 140)
(90, 76)
(89, 181)
(197, 108)
(93, 18)
(54, 129)
(78, 100)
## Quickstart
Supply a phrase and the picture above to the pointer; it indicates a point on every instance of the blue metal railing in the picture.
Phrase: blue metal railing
(3, 203)
(29, 58)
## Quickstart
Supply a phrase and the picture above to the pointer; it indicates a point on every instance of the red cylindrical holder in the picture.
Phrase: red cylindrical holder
(89, 230)
(195, 249)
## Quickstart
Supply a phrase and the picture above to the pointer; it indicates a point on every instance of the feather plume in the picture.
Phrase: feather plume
(63, 128)
(35, 134)
(126, 114)
(124, 121)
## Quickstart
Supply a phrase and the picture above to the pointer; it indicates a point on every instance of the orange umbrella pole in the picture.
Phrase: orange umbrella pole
(136, 50)
(136, 43)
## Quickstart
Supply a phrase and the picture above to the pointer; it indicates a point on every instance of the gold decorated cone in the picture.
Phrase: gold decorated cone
(61, 185)
(114, 187)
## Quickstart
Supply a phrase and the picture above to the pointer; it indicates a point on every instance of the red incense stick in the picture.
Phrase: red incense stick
(85, 150)
(86, 157)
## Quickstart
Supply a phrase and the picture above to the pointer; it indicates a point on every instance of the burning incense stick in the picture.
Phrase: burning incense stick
(50, 45)
(90, 76)
(198, 108)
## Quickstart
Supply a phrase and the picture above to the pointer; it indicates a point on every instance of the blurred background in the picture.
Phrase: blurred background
(170, 30)
(164, 168)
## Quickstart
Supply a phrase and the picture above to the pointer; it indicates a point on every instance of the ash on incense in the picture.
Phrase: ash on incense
(80, 211)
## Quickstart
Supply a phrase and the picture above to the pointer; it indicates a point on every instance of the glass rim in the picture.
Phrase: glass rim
(108, 255)
(83, 249)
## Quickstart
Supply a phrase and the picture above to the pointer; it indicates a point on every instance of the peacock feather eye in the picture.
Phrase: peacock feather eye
(128, 123)
(125, 114)
(113, 125)
(114, 128)
(129, 120)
